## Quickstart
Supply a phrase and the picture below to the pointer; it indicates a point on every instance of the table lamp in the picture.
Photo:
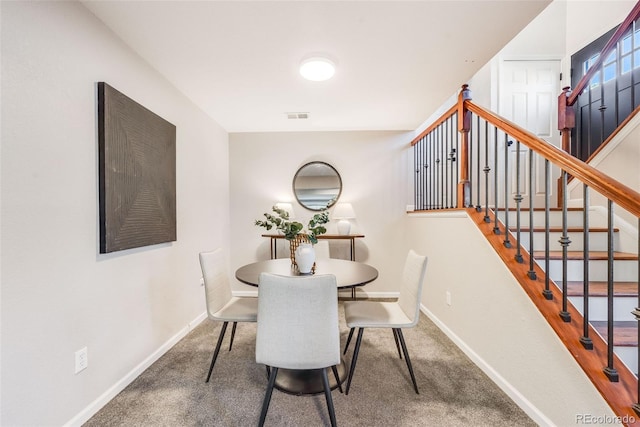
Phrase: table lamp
(343, 212)
(287, 207)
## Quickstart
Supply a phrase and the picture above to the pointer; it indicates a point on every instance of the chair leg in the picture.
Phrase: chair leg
(217, 350)
(346, 347)
(327, 394)
(354, 359)
(267, 396)
(233, 334)
(337, 377)
(395, 337)
(406, 358)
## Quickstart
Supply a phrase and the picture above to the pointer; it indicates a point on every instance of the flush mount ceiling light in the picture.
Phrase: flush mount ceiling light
(317, 69)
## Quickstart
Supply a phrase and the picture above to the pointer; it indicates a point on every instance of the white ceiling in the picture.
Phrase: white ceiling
(238, 60)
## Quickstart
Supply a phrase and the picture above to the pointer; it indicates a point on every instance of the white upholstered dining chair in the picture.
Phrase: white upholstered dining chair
(222, 306)
(298, 329)
(403, 313)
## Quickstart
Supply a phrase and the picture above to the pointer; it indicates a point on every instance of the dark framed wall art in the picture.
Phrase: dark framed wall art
(137, 173)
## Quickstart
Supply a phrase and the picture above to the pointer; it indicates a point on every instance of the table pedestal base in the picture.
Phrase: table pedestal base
(299, 382)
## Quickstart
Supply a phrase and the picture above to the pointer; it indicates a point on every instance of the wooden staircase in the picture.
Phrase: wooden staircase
(625, 286)
(491, 177)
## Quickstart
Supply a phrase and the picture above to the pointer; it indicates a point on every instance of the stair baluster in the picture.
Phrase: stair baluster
(454, 183)
(518, 200)
(496, 229)
(531, 273)
(478, 205)
(547, 185)
(610, 371)
(585, 340)
(486, 170)
(565, 242)
(447, 166)
(636, 313)
(507, 143)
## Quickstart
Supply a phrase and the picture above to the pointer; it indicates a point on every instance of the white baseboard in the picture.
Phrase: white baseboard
(245, 293)
(363, 292)
(195, 322)
(534, 413)
(97, 404)
(360, 292)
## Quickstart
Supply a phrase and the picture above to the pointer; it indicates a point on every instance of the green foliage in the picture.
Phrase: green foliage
(280, 221)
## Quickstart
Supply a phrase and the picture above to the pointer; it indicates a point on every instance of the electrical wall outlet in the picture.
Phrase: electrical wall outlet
(82, 359)
(448, 298)
(202, 281)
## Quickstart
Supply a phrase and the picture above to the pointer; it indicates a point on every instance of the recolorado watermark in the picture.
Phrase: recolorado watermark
(604, 419)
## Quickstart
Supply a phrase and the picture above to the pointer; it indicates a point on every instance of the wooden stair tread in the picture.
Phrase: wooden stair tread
(593, 255)
(625, 333)
(599, 289)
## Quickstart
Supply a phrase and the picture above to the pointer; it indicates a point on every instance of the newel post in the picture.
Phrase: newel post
(566, 122)
(464, 126)
(566, 118)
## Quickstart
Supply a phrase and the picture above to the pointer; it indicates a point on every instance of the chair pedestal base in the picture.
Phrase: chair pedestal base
(301, 382)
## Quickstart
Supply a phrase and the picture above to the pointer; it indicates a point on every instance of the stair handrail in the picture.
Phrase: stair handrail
(447, 114)
(569, 96)
(611, 44)
(607, 186)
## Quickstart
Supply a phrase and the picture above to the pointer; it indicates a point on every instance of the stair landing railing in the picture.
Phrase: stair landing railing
(615, 66)
(474, 159)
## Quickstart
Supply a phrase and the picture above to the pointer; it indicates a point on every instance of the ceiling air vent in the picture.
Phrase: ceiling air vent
(295, 116)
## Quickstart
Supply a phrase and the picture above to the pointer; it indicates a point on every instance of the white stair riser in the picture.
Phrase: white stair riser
(597, 241)
(623, 270)
(628, 355)
(574, 219)
(622, 307)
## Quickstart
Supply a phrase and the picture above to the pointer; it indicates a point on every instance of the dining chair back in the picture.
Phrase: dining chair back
(403, 313)
(217, 288)
(222, 306)
(298, 328)
(411, 286)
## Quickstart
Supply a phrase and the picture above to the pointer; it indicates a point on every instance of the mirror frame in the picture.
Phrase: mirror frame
(300, 169)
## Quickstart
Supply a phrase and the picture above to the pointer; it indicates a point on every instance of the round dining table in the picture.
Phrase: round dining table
(349, 274)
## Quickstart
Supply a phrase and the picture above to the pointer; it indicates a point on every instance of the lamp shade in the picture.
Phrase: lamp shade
(343, 211)
(287, 207)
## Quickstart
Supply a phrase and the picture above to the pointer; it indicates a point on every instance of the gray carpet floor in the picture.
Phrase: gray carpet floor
(453, 391)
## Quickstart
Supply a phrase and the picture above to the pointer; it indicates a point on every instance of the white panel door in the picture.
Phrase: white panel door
(528, 97)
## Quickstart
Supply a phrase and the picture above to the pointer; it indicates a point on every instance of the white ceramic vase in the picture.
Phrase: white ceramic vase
(305, 257)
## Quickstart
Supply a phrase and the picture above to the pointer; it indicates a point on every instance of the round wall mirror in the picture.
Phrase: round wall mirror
(317, 185)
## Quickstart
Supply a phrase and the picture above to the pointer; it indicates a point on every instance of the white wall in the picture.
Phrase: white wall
(496, 323)
(373, 168)
(58, 293)
(490, 316)
(601, 17)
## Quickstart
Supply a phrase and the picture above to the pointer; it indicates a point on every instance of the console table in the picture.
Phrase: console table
(351, 237)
